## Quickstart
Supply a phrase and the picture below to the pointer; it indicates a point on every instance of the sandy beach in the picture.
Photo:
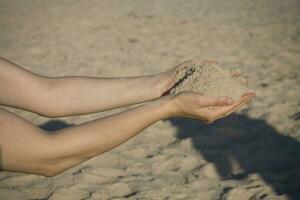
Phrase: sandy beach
(253, 154)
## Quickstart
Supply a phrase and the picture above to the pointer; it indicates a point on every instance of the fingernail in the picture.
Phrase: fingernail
(229, 101)
(249, 94)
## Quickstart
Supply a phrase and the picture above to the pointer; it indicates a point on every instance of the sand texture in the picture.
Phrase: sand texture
(209, 79)
(254, 154)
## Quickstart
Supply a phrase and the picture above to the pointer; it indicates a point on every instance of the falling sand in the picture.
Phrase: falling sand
(209, 79)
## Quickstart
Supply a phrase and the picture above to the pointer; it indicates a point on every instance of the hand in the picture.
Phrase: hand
(170, 75)
(194, 105)
(238, 75)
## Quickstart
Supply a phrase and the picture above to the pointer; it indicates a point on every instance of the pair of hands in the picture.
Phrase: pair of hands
(207, 110)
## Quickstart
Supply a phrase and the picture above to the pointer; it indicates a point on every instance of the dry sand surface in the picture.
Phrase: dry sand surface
(254, 154)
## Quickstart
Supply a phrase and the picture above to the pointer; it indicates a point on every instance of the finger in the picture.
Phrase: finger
(237, 108)
(183, 64)
(248, 99)
(218, 101)
(226, 110)
(234, 110)
(210, 62)
(201, 61)
(244, 80)
(236, 72)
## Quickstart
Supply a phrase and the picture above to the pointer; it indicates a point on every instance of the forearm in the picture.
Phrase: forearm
(64, 96)
(26, 148)
(21, 88)
(79, 143)
(81, 95)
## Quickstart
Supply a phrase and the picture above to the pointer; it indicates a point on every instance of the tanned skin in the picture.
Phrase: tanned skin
(27, 148)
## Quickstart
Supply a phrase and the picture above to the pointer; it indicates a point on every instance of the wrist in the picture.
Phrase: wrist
(167, 106)
(162, 82)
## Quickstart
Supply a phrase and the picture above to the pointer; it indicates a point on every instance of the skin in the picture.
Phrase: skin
(26, 148)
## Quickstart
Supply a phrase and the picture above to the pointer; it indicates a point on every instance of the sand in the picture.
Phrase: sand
(251, 155)
(209, 79)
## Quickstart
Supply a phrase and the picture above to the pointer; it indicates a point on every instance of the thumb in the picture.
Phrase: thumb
(183, 64)
(217, 101)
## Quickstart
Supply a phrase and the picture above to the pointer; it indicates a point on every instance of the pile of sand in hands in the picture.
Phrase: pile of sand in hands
(209, 79)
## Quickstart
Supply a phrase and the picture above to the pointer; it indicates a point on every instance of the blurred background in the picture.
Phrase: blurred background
(254, 154)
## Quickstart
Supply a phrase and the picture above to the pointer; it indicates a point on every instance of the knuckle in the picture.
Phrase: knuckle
(220, 101)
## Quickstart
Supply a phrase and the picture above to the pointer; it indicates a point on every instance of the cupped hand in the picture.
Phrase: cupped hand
(207, 110)
(194, 105)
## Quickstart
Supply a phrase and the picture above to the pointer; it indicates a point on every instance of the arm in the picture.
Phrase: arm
(64, 96)
(79, 143)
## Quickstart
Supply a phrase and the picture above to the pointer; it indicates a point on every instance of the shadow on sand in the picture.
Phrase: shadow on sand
(252, 143)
